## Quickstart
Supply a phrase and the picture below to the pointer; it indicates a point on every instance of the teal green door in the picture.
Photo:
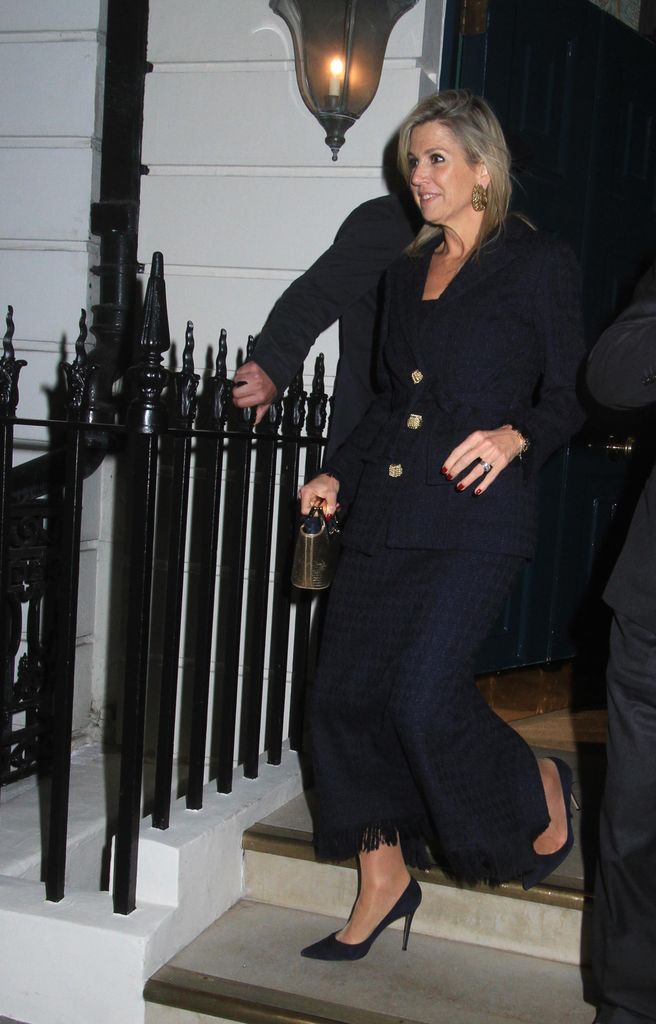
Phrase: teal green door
(575, 90)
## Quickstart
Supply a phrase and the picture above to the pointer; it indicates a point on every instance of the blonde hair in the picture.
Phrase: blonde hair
(477, 131)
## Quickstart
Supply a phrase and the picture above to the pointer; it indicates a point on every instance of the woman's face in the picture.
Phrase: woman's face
(441, 180)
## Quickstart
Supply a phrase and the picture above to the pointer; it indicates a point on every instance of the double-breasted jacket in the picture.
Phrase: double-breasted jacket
(502, 344)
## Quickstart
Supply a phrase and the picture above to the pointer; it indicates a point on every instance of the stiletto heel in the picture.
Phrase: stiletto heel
(406, 930)
(546, 863)
(331, 948)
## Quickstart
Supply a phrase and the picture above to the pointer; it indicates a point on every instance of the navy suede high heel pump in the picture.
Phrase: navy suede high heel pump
(331, 948)
(546, 863)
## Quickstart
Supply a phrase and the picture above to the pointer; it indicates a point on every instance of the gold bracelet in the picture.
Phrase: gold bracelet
(525, 444)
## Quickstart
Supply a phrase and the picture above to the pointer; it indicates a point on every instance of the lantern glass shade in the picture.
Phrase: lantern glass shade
(339, 47)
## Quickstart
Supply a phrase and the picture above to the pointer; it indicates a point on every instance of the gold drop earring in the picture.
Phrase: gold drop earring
(479, 198)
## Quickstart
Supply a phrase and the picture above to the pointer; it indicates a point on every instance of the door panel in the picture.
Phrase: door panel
(540, 63)
(620, 237)
(575, 91)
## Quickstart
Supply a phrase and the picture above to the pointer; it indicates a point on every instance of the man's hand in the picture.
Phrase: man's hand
(255, 390)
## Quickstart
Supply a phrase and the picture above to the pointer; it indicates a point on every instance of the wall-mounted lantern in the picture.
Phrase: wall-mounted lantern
(339, 46)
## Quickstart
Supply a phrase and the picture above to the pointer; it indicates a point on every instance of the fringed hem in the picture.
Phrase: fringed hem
(508, 861)
(343, 845)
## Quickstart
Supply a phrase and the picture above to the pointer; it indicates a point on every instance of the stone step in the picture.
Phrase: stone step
(550, 921)
(246, 967)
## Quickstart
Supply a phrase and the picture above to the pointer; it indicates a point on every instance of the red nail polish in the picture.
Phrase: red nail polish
(460, 487)
(478, 491)
(449, 476)
(443, 470)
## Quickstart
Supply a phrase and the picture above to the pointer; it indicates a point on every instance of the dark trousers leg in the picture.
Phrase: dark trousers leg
(624, 952)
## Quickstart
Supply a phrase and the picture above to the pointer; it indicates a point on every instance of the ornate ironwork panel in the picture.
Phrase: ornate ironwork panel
(30, 624)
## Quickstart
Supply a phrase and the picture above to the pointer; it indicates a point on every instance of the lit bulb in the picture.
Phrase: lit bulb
(335, 80)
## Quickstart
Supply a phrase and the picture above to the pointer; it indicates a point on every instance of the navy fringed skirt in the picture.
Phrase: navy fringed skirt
(403, 745)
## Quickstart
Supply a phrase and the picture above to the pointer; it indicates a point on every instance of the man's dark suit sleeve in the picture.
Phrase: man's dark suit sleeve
(368, 241)
(622, 365)
(622, 375)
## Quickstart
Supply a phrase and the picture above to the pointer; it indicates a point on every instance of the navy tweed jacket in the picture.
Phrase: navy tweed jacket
(502, 344)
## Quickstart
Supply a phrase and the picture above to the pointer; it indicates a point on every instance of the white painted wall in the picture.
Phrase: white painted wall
(51, 68)
(51, 77)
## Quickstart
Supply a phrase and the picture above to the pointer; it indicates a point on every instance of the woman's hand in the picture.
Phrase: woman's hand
(495, 448)
(320, 491)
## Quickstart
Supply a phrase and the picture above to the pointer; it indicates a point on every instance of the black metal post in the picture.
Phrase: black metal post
(115, 219)
(292, 424)
(186, 382)
(234, 591)
(316, 423)
(264, 494)
(77, 375)
(145, 422)
(207, 584)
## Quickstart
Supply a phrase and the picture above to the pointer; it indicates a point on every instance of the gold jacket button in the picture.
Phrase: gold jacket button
(395, 469)
(414, 421)
(417, 376)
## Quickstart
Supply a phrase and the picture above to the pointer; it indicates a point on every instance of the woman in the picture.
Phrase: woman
(481, 344)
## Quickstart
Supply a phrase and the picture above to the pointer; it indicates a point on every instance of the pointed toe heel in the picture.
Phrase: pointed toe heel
(546, 864)
(331, 948)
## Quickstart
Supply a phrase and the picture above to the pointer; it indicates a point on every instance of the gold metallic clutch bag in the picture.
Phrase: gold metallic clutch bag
(316, 551)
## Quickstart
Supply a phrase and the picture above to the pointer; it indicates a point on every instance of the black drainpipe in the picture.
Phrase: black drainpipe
(115, 218)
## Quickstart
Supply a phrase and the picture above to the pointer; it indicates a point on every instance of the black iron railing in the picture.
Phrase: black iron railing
(206, 488)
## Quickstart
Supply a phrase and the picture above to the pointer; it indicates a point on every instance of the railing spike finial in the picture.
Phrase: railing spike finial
(247, 413)
(155, 336)
(78, 372)
(10, 368)
(319, 372)
(188, 351)
(220, 386)
(80, 350)
(186, 381)
(272, 418)
(222, 354)
(293, 405)
(157, 266)
(9, 335)
(318, 400)
(147, 412)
